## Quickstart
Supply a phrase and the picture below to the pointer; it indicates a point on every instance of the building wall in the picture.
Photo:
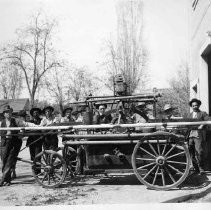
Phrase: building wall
(200, 48)
(200, 24)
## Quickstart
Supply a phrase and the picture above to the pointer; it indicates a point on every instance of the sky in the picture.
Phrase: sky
(84, 25)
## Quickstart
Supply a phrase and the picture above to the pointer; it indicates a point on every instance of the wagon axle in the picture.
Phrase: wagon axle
(160, 160)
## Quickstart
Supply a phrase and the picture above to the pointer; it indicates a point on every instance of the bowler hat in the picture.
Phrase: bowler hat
(7, 108)
(48, 107)
(68, 108)
(167, 107)
(195, 100)
(35, 109)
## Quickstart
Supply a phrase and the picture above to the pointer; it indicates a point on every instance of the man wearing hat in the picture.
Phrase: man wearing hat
(35, 142)
(197, 137)
(101, 117)
(67, 115)
(139, 113)
(10, 143)
(51, 140)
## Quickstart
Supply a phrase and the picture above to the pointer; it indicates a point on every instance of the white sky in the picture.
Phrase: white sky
(84, 25)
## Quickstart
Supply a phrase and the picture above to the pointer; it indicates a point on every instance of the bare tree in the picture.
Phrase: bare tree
(179, 92)
(128, 56)
(81, 84)
(10, 81)
(56, 84)
(33, 52)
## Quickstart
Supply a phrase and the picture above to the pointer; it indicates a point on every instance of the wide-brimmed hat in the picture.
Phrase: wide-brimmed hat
(68, 108)
(48, 107)
(35, 109)
(195, 100)
(167, 107)
(7, 108)
(98, 105)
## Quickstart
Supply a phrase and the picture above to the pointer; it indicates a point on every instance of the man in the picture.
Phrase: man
(197, 137)
(139, 113)
(11, 144)
(35, 145)
(51, 140)
(20, 117)
(101, 117)
(168, 111)
(67, 115)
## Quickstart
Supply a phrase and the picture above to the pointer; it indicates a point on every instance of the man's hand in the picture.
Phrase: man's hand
(201, 127)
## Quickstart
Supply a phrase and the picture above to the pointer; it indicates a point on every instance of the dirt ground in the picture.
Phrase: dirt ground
(99, 189)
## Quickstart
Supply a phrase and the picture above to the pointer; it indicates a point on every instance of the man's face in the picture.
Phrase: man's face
(195, 106)
(101, 109)
(35, 114)
(68, 113)
(7, 114)
(168, 112)
(48, 113)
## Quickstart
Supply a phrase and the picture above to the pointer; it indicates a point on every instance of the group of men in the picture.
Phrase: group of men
(11, 143)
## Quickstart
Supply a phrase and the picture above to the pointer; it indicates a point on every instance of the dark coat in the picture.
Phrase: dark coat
(102, 119)
(201, 116)
(35, 137)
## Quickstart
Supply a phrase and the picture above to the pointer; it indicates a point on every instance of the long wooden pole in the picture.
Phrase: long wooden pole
(109, 126)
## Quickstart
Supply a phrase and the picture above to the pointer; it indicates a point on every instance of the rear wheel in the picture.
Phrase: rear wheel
(49, 169)
(161, 164)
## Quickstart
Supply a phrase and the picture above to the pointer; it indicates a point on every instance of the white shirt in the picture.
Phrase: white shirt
(49, 121)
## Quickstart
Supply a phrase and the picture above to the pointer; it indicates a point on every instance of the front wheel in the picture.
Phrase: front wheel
(161, 164)
(49, 169)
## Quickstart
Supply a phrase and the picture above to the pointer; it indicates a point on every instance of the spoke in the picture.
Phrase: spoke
(45, 158)
(44, 177)
(170, 150)
(163, 178)
(164, 149)
(145, 159)
(39, 174)
(175, 155)
(158, 146)
(53, 179)
(149, 172)
(39, 163)
(58, 176)
(152, 148)
(58, 164)
(71, 155)
(156, 173)
(150, 164)
(169, 161)
(147, 152)
(48, 179)
(172, 178)
(175, 169)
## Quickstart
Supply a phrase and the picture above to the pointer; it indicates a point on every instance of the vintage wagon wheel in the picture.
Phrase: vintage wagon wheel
(162, 163)
(72, 159)
(49, 169)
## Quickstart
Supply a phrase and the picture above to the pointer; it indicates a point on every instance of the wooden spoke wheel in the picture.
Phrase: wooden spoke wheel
(49, 169)
(161, 164)
(73, 160)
